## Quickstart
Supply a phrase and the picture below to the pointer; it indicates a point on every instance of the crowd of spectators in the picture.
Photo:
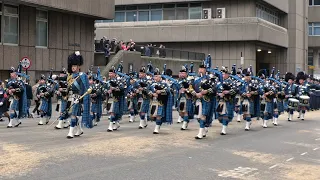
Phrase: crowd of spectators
(107, 46)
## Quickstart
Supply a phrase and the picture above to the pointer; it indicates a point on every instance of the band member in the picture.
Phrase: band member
(4, 111)
(143, 90)
(115, 93)
(303, 94)
(290, 93)
(96, 98)
(238, 108)
(271, 108)
(185, 100)
(161, 106)
(205, 107)
(79, 86)
(44, 93)
(17, 97)
(64, 101)
(227, 91)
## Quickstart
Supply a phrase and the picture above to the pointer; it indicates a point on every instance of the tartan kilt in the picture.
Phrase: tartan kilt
(116, 107)
(280, 106)
(28, 103)
(190, 106)
(145, 106)
(44, 105)
(206, 107)
(229, 111)
(14, 105)
(94, 107)
(286, 104)
(76, 110)
(63, 105)
(161, 111)
(251, 106)
(269, 107)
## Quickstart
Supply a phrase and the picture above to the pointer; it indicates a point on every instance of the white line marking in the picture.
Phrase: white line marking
(273, 166)
(304, 153)
(315, 149)
(289, 159)
(318, 139)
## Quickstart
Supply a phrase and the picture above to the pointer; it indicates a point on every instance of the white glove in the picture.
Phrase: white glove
(1, 103)
(76, 101)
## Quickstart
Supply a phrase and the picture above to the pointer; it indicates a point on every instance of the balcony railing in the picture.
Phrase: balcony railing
(152, 51)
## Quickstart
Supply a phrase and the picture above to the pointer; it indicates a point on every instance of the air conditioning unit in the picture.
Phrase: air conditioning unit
(207, 13)
(221, 13)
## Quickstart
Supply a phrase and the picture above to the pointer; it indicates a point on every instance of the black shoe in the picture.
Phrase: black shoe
(197, 137)
(223, 134)
(246, 129)
(146, 126)
(9, 126)
(1, 120)
(40, 124)
(69, 137)
(183, 129)
(57, 127)
(140, 127)
(109, 130)
(17, 125)
(78, 135)
(155, 133)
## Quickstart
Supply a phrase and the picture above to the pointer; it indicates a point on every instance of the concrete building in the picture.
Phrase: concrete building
(47, 31)
(266, 33)
(314, 37)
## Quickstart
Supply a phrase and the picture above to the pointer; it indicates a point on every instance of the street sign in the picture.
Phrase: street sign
(25, 63)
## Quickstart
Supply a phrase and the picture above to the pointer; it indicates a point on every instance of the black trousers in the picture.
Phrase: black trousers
(37, 107)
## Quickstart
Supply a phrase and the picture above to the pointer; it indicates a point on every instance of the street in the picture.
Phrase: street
(288, 151)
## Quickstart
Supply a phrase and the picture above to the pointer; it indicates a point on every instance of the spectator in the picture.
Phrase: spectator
(107, 52)
(148, 51)
(162, 51)
(36, 100)
(118, 47)
(29, 97)
(113, 45)
(123, 46)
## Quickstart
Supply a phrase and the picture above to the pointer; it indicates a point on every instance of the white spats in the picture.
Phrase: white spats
(141, 125)
(71, 133)
(184, 125)
(156, 129)
(116, 126)
(10, 124)
(41, 121)
(289, 116)
(264, 124)
(179, 120)
(205, 132)
(200, 134)
(18, 122)
(60, 125)
(275, 122)
(238, 117)
(302, 116)
(79, 130)
(110, 128)
(224, 130)
(247, 126)
(131, 119)
(66, 123)
(299, 114)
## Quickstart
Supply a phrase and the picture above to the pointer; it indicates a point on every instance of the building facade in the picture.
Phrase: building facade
(314, 37)
(266, 33)
(47, 31)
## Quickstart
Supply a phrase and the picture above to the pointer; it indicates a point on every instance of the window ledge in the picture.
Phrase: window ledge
(42, 47)
(10, 44)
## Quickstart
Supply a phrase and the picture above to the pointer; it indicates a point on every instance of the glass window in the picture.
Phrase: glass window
(143, 15)
(156, 15)
(42, 28)
(316, 31)
(169, 14)
(11, 24)
(310, 2)
(169, 6)
(310, 29)
(144, 6)
(131, 8)
(119, 17)
(195, 13)
(120, 8)
(156, 6)
(310, 58)
(182, 13)
(131, 16)
(182, 5)
(316, 2)
(195, 4)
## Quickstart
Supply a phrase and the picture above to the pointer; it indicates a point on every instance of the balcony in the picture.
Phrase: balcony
(229, 29)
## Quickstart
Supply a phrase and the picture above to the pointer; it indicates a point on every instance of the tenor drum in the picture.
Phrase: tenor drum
(304, 101)
(293, 103)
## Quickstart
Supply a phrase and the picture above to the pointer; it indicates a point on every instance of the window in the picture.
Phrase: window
(11, 24)
(169, 14)
(314, 29)
(42, 28)
(156, 15)
(143, 15)
(182, 11)
(131, 16)
(0, 22)
(310, 59)
(267, 14)
(119, 17)
(195, 13)
(314, 2)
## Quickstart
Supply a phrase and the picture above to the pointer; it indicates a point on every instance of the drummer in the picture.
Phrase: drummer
(290, 93)
(302, 93)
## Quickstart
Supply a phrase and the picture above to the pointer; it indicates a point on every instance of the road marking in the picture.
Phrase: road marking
(304, 153)
(315, 149)
(318, 139)
(273, 166)
(289, 159)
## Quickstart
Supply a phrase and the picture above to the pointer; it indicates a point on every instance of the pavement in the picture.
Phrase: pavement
(288, 151)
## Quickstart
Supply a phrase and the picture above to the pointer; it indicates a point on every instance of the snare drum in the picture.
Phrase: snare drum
(293, 103)
(304, 101)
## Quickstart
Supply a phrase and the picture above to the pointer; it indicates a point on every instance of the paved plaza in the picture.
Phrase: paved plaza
(288, 151)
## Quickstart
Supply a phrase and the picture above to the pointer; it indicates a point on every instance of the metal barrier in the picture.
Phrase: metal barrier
(159, 52)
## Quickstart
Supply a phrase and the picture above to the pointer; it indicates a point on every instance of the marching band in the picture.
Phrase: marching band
(211, 94)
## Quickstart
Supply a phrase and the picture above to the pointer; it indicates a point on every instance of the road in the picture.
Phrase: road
(288, 151)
